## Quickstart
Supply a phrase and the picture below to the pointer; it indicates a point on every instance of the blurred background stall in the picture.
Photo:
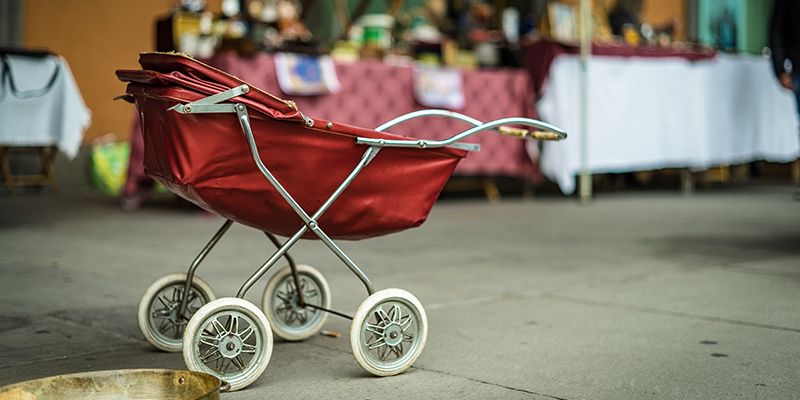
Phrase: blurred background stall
(495, 37)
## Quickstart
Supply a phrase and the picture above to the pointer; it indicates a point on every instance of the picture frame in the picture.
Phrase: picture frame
(563, 26)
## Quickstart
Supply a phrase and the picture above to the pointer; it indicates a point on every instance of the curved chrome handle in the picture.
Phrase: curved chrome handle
(554, 133)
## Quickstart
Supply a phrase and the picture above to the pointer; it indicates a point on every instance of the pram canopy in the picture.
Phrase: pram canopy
(205, 158)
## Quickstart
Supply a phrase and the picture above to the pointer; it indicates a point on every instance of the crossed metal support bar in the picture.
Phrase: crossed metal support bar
(207, 105)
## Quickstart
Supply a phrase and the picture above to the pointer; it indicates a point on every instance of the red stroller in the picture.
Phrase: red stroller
(279, 171)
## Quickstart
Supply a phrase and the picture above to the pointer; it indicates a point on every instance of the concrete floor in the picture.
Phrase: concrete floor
(639, 295)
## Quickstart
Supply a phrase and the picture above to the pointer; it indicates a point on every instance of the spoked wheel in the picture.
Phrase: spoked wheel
(158, 309)
(287, 318)
(229, 338)
(388, 332)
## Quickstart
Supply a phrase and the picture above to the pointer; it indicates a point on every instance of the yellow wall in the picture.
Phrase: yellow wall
(661, 12)
(97, 37)
(657, 13)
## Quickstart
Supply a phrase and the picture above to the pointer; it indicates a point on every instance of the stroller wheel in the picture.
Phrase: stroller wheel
(158, 309)
(229, 338)
(388, 332)
(280, 302)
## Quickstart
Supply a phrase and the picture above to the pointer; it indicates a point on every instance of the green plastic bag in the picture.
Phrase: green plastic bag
(109, 166)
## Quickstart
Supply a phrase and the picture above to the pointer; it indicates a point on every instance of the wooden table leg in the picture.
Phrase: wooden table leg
(46, 175)
(491, 190)
(687, 182)
(48, 155)
(9, 180)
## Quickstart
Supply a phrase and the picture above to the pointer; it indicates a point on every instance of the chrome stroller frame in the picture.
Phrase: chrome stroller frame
(389, 329)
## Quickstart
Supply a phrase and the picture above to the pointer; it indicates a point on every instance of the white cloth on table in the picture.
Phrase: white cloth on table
(654, 113)
(56, 118)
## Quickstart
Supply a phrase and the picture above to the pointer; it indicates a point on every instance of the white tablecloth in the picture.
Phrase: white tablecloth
(57, 118)
(654, 113)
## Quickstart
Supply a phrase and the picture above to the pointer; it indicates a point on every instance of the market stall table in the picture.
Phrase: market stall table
(42, 112)
(662, 110)
(373, 92)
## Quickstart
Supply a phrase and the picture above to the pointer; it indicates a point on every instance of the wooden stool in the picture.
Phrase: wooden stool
(47, 175)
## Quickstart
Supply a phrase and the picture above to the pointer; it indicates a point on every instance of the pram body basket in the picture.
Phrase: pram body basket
(205, 159)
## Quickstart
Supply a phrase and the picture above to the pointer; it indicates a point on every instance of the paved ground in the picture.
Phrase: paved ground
(642, 295)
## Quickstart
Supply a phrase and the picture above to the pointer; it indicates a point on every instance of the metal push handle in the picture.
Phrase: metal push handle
(426, 113)
(543, 131)
(549, 131)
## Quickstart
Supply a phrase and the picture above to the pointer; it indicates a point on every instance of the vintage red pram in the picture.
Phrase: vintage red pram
(255, 159)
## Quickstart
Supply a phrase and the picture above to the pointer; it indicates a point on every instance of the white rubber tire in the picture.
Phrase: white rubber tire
(163, 290)
(229, 342)
(382, 334)
(282, 313)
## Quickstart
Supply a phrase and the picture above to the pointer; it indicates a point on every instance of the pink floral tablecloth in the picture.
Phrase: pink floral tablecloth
(373, 93)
